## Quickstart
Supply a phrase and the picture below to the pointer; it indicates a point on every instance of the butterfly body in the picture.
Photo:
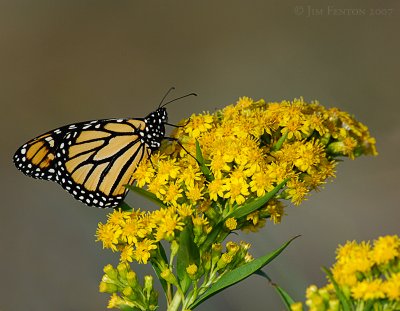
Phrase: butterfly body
(93, 160)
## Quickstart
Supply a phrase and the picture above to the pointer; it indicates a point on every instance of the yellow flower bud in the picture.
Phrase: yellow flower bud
(169, 276)
(298, 306)
(224, 261)
(132, 279)
(191, 270)
(232, 248)
(231, 223)
(107, 288)
(129, 292)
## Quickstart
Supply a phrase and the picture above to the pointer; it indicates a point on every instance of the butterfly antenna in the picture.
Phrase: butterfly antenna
(191, 94)
(166, 94)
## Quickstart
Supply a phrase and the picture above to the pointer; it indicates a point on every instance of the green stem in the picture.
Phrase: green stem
(169, 293)
(175, 303)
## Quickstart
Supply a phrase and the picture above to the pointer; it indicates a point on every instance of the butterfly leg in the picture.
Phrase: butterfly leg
(178, 126)
(180, 144)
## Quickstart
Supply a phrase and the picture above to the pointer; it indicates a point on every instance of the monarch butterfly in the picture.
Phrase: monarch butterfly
(94, 160)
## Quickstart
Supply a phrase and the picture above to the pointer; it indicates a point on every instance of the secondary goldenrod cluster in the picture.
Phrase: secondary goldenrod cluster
(133, 296)
(236, 167)
(364, 277)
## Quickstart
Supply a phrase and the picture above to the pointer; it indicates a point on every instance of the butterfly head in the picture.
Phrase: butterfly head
(162, 114)
(155, 130)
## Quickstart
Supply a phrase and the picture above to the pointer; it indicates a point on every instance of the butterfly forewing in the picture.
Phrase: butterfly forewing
(37, 157)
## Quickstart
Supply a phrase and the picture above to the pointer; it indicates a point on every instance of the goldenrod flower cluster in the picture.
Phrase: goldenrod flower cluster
(365, 277)
(225, 171)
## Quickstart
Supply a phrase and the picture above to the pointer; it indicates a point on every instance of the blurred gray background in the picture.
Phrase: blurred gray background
(67, 61)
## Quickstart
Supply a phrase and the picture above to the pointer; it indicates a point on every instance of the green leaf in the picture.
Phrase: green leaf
(250, 207)
(211, 237)
(286, 298)
(148, 195)
(199, 156)
(346, 304)
(123, 206)
(188, 253)
(156, 268)
(239, 274)
(279, 143)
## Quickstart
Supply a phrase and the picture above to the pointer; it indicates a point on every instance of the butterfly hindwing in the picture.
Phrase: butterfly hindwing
(95, 163)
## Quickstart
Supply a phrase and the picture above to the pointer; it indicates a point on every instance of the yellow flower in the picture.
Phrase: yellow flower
(367, 290)
(198, 124)
(130, 231)
(169, 224)
(278, 171)
(219, 165)
(199, 221)
(143, 174)
(392, 287)
(261, 183)
(294, 128)
(216, 189)
(316, 122)
(352, 258)
(189, 175)
(117, 217)
(194, 193)
(236, 190)
(244, 102)
(385, 249)
(298, 306)
(171, 193)
(275, 209)
(185, 210)
(254, 226)
(168, 169)
(142, 251)
(114, 301)
(146, 225)
(156, 185)
(231, 223)
(308, 155)
(296, 190)
(127, 253)
(108, 234)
